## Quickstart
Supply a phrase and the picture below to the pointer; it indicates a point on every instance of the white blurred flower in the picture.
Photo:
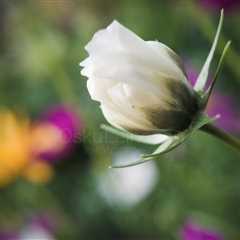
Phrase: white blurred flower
(35, 233)
(141, 85)
(127, 187)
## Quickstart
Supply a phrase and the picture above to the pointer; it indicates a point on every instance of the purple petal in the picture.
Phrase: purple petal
(225, 106)
(193, 231)
(217, 5)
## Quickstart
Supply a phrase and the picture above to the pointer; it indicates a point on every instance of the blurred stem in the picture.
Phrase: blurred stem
(224, 136)
(208, 28)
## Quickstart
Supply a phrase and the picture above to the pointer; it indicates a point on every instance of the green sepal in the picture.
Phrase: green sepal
(202, 120)
(151, 140)
(165, 147)
(203, 76)
(207, 94)
(169, 144)
(176, 140)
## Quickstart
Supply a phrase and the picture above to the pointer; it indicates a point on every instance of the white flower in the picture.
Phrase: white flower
(129, 186)
(143, 89)
(141, 85)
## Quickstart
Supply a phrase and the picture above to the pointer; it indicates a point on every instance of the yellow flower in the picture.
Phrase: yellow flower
(14, 146)
(38, 172)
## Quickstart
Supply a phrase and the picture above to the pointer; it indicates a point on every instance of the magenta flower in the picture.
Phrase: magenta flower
(56, 133)
(220, 104)
(67, 120)
(193, 231)
(225, 106)
(227, 5)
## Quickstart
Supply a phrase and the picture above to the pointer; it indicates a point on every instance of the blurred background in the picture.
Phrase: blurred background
(54, 177)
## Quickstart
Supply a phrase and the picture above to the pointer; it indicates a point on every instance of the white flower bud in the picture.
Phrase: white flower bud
(141, 85)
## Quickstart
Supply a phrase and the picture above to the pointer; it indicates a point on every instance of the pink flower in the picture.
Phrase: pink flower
(55, 134)
(193, 231)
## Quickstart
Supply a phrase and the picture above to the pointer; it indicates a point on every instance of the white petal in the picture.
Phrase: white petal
(85, 62)
(97, 88)
(173, 60)
(117, 119)
(142, 80)
(117, 43)
(126, 120)
(155, 138)
(114, 37)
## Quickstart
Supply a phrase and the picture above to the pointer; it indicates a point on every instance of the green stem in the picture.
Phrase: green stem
(224, 136)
